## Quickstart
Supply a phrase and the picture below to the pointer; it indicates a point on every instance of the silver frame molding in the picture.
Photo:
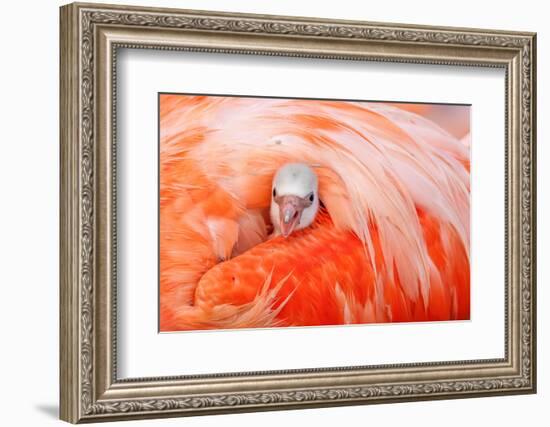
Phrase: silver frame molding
(90, 37)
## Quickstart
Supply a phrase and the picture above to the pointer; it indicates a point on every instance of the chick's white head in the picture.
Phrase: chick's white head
(295, 198)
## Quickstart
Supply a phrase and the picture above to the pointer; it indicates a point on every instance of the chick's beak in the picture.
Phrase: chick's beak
(290, 212)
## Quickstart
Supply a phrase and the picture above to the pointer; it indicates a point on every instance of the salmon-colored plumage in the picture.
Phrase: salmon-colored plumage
(390, 244)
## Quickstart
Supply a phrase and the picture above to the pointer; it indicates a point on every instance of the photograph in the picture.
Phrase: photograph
(288, 212)
(261, 211)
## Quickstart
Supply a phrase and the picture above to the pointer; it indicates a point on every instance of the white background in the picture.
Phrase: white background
(29, 173)
(145, 353)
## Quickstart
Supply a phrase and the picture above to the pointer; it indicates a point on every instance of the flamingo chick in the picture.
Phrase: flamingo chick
(295, 200)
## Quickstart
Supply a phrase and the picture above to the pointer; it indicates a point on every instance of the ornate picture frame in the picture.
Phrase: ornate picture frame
(91, 34)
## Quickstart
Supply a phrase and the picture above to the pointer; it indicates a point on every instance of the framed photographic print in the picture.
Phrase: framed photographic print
(265, 212)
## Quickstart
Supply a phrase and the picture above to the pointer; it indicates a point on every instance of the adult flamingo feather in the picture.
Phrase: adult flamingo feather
(388, 241)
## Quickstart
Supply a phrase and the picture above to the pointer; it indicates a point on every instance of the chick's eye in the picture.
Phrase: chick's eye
(274, 192)
(311, 197)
